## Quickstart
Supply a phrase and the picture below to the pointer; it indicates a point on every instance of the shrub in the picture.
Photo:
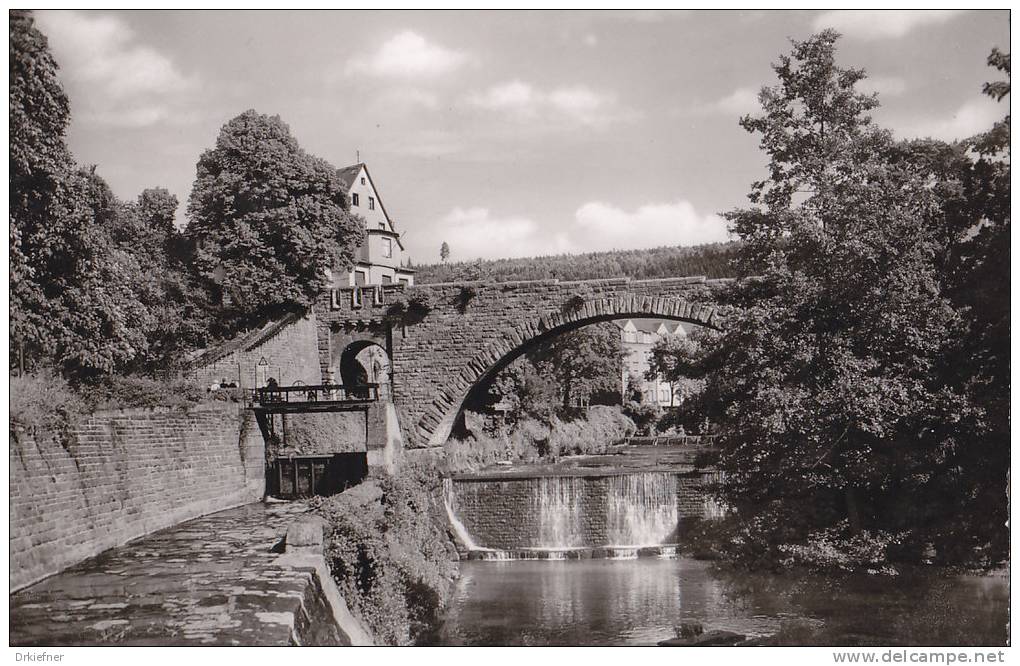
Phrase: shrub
(390, 555)
(836, 549)
(533, 439)
(117, 392)
(43, 404)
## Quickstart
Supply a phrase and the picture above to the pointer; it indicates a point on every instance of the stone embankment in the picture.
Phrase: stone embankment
(253, 575)
(119, 475)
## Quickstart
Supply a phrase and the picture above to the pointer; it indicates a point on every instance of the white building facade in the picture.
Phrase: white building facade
(638, 337)
(382, 258)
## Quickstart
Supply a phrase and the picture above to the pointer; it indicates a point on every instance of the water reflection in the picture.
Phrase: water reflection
(602, 602)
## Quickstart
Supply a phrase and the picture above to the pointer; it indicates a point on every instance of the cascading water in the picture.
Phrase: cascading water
(557, 503)
(450, 501)
(617, 516)
(642, 509)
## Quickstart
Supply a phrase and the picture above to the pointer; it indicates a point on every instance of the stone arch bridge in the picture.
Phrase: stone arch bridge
(444, 339)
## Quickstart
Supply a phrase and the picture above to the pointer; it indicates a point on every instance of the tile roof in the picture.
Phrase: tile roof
(348, 174)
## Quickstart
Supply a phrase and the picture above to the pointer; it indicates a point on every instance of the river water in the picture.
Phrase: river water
(638, 602)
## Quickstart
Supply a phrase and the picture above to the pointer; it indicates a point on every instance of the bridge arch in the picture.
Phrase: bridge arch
(365, 362)
(437, 422)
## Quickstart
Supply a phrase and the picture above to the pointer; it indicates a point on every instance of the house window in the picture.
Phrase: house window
(405, 281)
(360, 277)
(362, 181)
(354, 199)
(382, 225)
(387, 247)
(371, 203)
(386, 279)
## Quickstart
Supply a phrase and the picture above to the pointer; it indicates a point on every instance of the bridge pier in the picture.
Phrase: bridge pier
(384, 443)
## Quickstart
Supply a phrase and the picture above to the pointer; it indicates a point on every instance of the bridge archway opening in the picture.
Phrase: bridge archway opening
(365, 362)
(453, 418)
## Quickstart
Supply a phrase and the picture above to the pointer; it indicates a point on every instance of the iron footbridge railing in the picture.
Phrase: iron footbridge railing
(301, 395)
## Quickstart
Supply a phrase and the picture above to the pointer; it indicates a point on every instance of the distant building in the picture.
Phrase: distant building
(638, 337)
(382, 259)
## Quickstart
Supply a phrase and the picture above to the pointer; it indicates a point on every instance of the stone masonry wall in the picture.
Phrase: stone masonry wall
(472, 329)
(506, 515)
(124, 474)
(291, 351)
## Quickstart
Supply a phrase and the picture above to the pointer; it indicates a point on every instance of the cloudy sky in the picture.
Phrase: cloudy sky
(502, 133)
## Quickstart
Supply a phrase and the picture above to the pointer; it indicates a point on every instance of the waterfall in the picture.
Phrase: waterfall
(557, 503)
(641, 509)
(450, 501)
(565, 517)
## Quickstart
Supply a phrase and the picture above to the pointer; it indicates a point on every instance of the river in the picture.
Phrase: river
(638, 602)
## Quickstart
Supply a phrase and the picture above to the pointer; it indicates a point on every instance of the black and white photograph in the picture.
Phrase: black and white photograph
(510, 328)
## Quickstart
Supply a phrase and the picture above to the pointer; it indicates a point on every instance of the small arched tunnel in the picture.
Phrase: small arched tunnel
(516, 344)
(364, 362)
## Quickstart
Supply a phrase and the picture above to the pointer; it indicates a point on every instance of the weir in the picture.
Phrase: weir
(578, 515)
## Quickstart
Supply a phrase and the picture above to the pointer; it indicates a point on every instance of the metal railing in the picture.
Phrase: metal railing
(300, 393)
(670, 440)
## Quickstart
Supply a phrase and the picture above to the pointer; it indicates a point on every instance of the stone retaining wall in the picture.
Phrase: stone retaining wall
(121, 475)
(289, 346)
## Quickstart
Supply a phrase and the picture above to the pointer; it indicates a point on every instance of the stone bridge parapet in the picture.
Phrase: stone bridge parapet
(443, 339)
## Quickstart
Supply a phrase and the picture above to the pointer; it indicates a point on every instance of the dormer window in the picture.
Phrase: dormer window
(354, 199)
(371, 203)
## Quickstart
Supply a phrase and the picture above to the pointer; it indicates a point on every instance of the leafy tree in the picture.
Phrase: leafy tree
(826, 379)
(679, 361)
(267, 221)
(583, 362)
(444, 252)
(71, 303)
(976, 176)
(39, 166)
(576, 367)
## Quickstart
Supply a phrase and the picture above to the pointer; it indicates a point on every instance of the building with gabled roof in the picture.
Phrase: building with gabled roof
(638, 337)
(382, 259)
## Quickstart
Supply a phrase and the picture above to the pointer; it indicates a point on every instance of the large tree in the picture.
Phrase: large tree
(267, 221)
(827, 378)
(71, 301)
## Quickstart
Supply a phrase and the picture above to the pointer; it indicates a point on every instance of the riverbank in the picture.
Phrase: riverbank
(390, 553)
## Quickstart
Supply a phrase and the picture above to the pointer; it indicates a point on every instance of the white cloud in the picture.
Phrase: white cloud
(475, 233)
(113, 79)
(972, 118)
(881, 24)
(739, 102)
(578, 100)
(406, 97)
(576, 103)
(606, 227)
(887, 86)
(515, 96)
(408, 54)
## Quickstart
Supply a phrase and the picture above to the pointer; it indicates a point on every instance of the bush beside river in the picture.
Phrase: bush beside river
(390, 555)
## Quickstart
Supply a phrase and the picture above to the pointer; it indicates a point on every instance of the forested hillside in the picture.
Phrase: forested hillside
(711, 260)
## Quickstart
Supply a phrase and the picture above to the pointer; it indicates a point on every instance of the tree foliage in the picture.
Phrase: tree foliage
(570, 369)
(712, 260)
(267, 221)
(72, 303)
(830, 382)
